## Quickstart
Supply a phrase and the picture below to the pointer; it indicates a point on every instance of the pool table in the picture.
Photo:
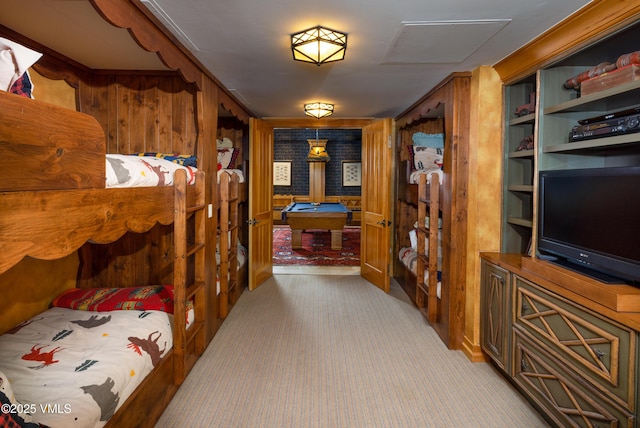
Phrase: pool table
(332, 216)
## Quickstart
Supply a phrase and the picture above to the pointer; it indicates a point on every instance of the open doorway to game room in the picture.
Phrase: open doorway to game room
(317, 200)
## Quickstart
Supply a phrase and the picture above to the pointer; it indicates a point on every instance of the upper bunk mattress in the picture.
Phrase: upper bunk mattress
(142, 171)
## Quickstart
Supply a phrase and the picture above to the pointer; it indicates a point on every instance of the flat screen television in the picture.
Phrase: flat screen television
(589, 221)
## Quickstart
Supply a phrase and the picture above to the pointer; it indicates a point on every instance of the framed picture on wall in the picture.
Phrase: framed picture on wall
(351, 173)
(282, 173)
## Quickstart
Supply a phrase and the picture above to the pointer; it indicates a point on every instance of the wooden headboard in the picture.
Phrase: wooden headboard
(47, 147)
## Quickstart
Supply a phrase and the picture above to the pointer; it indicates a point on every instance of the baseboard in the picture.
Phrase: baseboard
(473, 351)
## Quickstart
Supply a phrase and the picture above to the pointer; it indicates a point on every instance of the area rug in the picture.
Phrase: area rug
(316, 248)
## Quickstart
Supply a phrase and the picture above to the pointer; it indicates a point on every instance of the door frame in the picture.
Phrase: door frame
(331, 123)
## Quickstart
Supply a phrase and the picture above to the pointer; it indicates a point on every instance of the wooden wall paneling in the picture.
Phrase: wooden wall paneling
(138, 116)
(460, 113)
(161, 254)
(317, 181)
(110, 107)
(150, 101)
(94, 263)
(164, 109)
(144, 113)
(179, 122)
(122, 94)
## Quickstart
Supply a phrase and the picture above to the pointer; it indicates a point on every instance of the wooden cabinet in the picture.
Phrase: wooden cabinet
(495, 315)
(570, 355)
(564, 397)
(598, 349)
(569, 343)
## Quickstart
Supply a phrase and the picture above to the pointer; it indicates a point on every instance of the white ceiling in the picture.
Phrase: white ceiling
(396, 51)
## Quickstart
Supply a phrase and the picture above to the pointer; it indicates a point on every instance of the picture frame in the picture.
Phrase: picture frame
(351, 173)
(282, 173)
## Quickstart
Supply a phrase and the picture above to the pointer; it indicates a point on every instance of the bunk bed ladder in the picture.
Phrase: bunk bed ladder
(228, 224)
(428, 216)
(188, 273)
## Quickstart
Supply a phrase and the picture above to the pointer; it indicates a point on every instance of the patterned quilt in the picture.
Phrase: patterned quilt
(74, 368)
(143, 171)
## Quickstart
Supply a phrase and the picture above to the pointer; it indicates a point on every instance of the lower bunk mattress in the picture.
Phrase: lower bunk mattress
(75, 368)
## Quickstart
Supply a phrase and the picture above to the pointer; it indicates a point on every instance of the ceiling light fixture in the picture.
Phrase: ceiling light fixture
(318, 110)
(318, 45)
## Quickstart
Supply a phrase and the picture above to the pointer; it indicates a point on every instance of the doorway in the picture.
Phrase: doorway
(302, 177)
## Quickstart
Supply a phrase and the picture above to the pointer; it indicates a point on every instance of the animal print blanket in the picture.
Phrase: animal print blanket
(143, 171)
(74, 368)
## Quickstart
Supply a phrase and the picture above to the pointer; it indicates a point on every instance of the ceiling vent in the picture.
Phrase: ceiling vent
(439, 42)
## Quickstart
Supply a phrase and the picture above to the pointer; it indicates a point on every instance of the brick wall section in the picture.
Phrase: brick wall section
(291, 145)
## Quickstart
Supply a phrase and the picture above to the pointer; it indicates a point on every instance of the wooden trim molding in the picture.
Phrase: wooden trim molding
(328, 123)
(52, 64)
(597, 19)
(232, 106)
(429, 105)
(124, 14)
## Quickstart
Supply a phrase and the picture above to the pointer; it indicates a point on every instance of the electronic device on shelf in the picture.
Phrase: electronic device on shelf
(613, 124)
(588, 221)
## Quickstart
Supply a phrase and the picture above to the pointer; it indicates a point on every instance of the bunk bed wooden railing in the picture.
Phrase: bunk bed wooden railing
(229, 196)
(185, 291)
(53, 200)
(428, 293)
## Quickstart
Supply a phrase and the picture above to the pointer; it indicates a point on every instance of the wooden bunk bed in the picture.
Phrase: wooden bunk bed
(53, 200)
(231, 254)
(434, 276)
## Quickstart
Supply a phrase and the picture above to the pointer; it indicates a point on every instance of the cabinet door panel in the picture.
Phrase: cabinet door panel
(596, 347)
(495, 331)
(566, 398)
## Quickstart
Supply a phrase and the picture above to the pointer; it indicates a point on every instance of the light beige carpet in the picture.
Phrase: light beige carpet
(334, 351)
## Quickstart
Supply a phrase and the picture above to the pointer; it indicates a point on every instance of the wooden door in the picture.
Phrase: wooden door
(260, 202)
(375, 248)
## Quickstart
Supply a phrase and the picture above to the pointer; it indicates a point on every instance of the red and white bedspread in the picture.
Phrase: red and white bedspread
(74, 368)
(141, 171)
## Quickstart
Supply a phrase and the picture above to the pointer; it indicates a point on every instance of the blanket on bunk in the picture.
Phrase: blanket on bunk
(140, 171)
(74, 368)
(148, 298)
(408, 256)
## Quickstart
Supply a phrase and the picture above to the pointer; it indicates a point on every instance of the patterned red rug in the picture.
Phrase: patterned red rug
(316, 248)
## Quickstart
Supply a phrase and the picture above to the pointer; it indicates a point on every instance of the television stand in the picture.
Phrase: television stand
(557, 334)
(586, 271)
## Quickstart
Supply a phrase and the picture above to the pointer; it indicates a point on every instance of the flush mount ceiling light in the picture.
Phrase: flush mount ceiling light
(318, 45)
(318, 110)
